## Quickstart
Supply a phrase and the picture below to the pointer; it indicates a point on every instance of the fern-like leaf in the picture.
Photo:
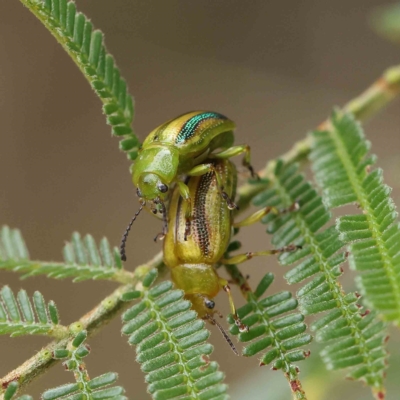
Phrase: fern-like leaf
(83, 259)
(92, 261)
(84, 388)
(386, 21)
(359, 338)
(281, 335)
(342, 167)
(171, 345)
(86, 47)
(18, 316)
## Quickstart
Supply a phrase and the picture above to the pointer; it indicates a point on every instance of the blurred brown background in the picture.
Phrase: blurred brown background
(276, 68)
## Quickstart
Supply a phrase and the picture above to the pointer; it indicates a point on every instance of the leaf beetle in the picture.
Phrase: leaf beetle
(180, 147)
(192, 260)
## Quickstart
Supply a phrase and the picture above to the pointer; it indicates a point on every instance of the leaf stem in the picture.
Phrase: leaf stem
(95, 319)
(291, 375)
(364, 106)
(74, 32)
(60, 270)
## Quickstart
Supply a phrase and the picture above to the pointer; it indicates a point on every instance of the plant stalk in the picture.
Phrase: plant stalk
(366, 105)
(95, 319)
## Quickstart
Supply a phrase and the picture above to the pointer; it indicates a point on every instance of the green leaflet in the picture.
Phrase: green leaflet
(342, 168)
(275, 331)
(83, 259)
(12, 390)
(19, 316)
(86, 47)
(92, 261)
(319, 262)
(171, 345)
(84, 388)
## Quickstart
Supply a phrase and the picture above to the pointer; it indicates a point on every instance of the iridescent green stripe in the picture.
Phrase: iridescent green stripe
(189, 128)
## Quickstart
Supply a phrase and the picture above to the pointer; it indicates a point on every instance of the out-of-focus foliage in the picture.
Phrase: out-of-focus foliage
(386, 22)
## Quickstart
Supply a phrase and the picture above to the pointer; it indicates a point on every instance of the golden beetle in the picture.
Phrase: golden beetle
(192, 260)
(183, 146)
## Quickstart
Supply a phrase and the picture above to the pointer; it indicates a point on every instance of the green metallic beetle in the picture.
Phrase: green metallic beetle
(180, 147)
(192, 260)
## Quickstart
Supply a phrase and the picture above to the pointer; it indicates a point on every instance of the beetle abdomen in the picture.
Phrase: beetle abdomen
(196, 278)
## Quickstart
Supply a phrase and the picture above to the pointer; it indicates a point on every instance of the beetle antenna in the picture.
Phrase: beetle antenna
(224, 334)
(125, 235)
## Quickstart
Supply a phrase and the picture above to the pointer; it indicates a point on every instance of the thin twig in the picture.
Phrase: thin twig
(99, 316)
(366, 105)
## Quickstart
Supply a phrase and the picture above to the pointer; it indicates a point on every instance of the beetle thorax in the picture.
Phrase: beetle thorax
(154, 170)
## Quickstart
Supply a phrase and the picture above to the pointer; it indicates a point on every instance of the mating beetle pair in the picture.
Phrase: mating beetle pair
(198, 216)
(192, 260)
(181, 147)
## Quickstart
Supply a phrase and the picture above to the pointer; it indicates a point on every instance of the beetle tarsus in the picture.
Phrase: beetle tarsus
(159, 236)
(230, 204)
(242, 327)
(187, 229)
(289, 248)
(294, 207)
(252, 172)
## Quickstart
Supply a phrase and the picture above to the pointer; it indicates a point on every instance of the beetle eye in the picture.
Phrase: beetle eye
(209, 304)
(139, 193)
(163, 188)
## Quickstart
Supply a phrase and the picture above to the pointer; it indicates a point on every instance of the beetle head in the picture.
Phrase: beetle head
(153, 172)
(151, 187)
(202, 305)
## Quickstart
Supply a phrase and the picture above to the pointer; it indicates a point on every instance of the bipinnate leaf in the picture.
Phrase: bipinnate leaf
(344, 323)
(84, 387)
(83, 259)
(85, 45)
(342, 168)
(277, 333)
(171, 345)
(21, 316)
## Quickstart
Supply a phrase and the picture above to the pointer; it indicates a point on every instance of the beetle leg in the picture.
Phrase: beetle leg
(258, 215)
(159, 236)
(184, 192)
(240, 258)
(236, 150)
(203, 169)
(238, 322)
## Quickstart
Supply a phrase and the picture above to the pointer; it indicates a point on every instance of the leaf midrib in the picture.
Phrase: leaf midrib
(356, 183)
(333, 283)
(172, 340)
